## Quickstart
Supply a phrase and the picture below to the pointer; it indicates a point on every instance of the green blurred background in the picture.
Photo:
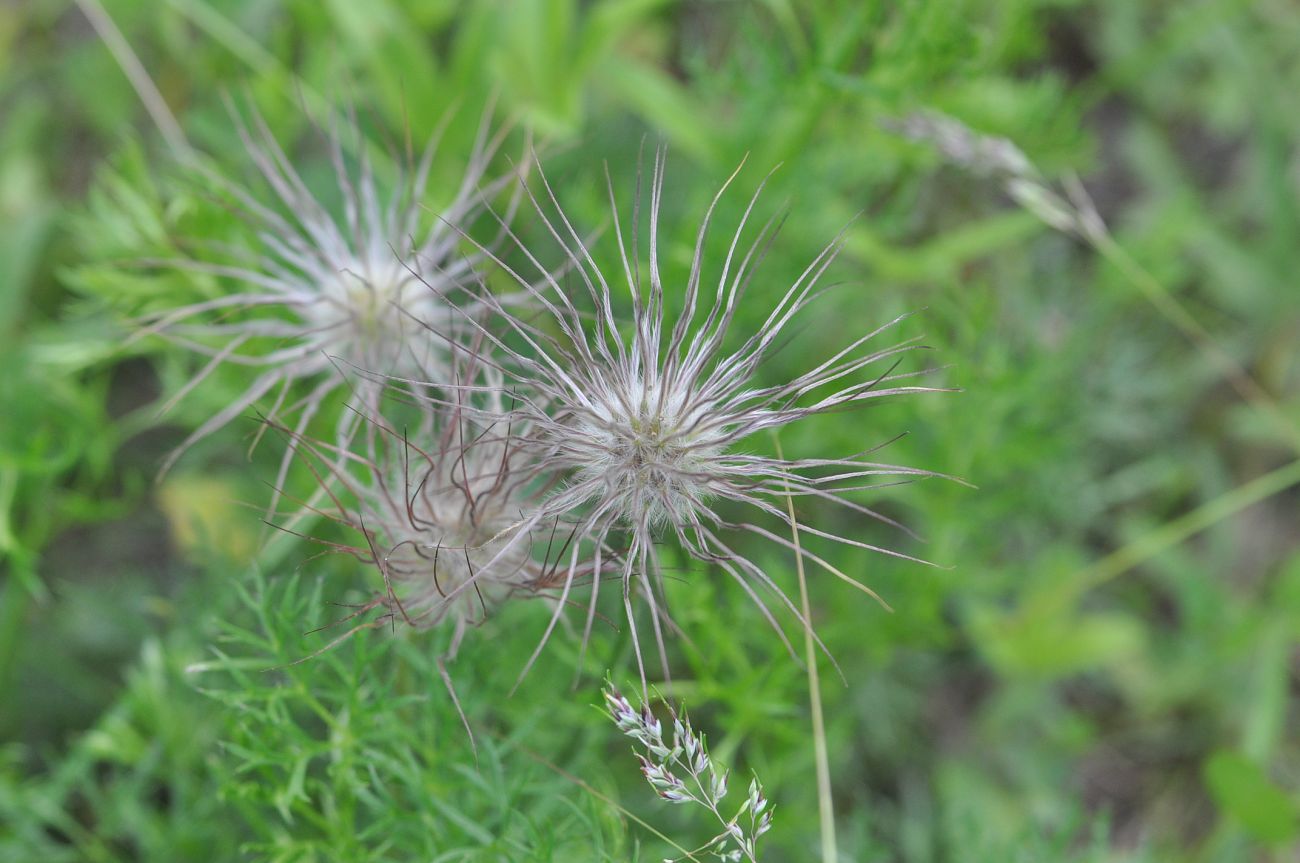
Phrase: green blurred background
(1106, 668)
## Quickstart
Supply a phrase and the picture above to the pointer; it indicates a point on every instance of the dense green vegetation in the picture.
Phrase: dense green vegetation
(1103, 666)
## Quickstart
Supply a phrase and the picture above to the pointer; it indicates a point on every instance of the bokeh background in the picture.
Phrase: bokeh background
(1104, 667)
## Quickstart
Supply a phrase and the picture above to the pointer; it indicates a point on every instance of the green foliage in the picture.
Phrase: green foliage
(1246, 793)
(1102, 668)
(359, 753)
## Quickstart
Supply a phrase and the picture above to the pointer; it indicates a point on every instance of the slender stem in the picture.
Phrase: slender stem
(135, 72)
(825, 804)
(687, 854)
(706, 799)
(1094, 231)
(245, 48)
(1156, 293)
(1172, 533)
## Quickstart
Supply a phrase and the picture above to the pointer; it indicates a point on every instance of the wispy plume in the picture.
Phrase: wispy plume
(651, 425)
(315, 289)
(436, 502)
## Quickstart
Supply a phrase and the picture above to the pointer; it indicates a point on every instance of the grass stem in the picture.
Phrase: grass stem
(825, 803)
(135, 72)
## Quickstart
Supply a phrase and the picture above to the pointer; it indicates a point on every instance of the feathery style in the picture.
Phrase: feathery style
(648, 424)
(317, 290)
(438, 503)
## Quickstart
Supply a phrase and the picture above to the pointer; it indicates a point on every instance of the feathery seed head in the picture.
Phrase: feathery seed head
(645, 448)
(438, 506)
(364, 286)
(647, 422)
(369, 313)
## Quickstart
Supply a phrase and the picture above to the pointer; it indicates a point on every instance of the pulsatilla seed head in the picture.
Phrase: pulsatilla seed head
(370, 286)
(646, 450)
(647, 423)
(437, 505)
